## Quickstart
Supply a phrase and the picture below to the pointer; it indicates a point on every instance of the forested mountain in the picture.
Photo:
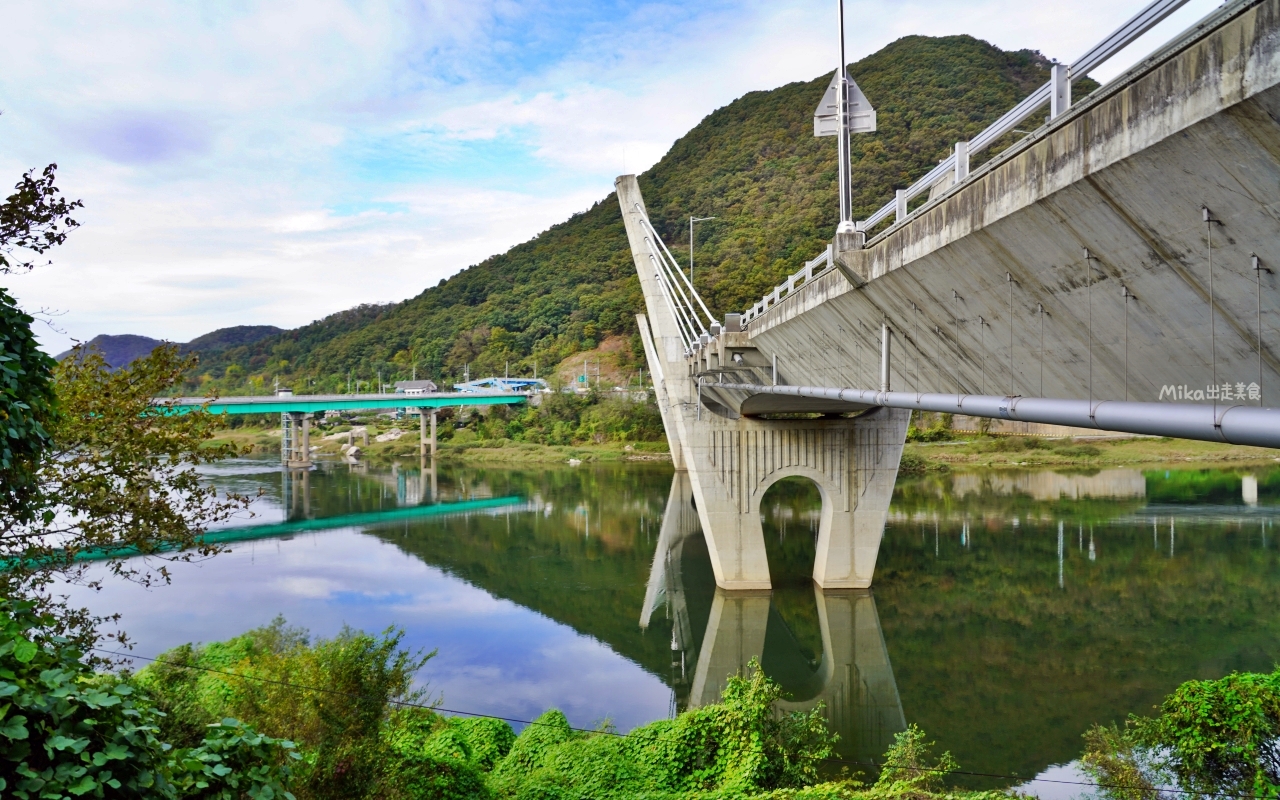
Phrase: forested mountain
(122, 349)
(753, 164)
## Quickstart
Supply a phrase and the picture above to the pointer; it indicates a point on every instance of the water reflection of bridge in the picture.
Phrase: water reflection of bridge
(853, 678)
(398, 487)
(715, 632)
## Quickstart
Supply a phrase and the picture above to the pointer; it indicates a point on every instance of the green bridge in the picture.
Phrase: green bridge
(295, 412)
(312, 403)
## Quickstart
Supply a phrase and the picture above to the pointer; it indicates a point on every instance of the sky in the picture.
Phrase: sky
(270, 163)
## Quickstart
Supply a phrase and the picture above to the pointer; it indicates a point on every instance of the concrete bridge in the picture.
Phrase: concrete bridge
(1114, 269)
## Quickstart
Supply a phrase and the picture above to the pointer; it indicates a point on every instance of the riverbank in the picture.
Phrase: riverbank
(462, 448)
(1027, 451)
(918, 457)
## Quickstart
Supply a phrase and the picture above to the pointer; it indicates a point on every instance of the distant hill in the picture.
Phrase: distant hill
(120, 351)
(753, 164)
(235, 336)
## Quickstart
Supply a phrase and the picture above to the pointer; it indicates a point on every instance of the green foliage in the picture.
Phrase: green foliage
(438, 757)
(1212, 737)
(753, 164)
(235, 761)
(912, 464)
(936, 428)
(909, 767)
(26, 408)
(427, 776)
(65, 730)
(740, 746)
(336, 718)
(1220, 736)
(117, 477)
(490, 739)
(34, 219)
(1113, 760)
(565, 419)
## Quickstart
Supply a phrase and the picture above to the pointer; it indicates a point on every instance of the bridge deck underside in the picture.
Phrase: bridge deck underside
(1125, 178)
(725, 402)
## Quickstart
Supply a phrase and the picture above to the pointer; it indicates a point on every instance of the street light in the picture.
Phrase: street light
(844, 110)
(693, 219)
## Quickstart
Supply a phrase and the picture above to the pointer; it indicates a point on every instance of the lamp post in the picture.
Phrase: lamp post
(693, 219)
(844, 110)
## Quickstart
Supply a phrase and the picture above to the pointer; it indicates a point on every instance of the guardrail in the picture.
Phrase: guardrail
(1057, 92)
(1057, 89)
(812, 269)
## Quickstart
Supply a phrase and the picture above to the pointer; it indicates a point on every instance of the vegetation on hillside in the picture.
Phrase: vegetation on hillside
(754, 165)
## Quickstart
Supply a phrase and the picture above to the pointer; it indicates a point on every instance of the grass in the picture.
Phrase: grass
(1009, 451)
(975, 451)
(264, 440)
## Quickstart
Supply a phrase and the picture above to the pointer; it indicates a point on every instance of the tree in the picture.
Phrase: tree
(26, 407)
(1211, 737)
(116, 479)
(90, 463)
(33, 219)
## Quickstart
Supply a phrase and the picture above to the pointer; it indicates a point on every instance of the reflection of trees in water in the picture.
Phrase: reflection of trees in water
(1008, 669)
(991, 657)
(789, 514)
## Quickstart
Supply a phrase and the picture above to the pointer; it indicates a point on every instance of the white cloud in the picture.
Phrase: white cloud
(251, 163)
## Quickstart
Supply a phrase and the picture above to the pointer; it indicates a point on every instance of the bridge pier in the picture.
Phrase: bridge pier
(732, 463)
(428, 443)
(733, 455)
(295, 439)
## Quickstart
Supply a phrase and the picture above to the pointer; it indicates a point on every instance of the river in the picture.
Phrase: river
(1011, 610)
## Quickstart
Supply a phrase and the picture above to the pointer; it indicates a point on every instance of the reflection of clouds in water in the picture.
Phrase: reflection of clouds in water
(495, 656)
(300, 586)
(1058, 782)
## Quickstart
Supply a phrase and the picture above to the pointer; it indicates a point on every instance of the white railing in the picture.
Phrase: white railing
(957, 163)
(812, 269)
(1119, 39)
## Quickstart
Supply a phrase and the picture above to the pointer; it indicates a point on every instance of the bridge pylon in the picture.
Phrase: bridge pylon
(733, 456)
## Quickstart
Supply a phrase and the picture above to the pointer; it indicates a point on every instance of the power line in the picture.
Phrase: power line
(868, 762)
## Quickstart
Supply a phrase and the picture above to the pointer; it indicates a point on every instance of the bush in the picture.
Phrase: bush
(737, 747)
(926, 427)
(909, 767)
(912, 464)
(563, 419)
(1079, 451)
(1218, 737)
(65, 730)
(337, 722)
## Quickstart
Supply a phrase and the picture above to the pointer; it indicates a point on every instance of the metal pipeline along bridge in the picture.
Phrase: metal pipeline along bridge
(1115, 269)
(296, 412)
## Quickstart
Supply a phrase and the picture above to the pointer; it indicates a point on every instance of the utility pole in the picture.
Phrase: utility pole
(693, 219)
